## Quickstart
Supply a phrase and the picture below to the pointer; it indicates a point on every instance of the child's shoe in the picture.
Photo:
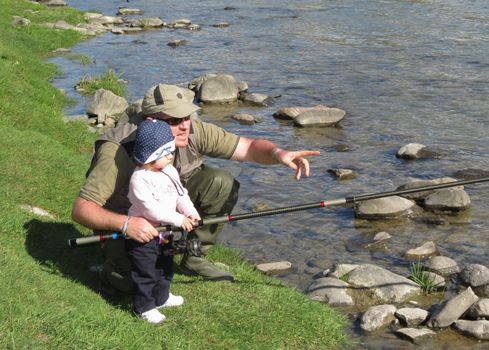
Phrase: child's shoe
(173, 300)
(153, 316)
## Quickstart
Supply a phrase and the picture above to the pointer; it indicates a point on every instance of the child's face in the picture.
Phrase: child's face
(161, 163)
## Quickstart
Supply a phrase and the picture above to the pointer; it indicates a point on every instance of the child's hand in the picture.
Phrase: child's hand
(195, 218)
(187, 224)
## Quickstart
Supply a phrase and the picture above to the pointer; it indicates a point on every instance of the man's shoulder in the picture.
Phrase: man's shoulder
(108, 149)
(213, 140)
(110, 155)
(122, 133)
(206, 129)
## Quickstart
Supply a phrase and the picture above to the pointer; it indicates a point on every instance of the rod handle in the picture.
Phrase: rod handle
(74, 242)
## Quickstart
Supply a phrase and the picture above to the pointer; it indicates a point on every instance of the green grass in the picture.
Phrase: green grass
(48, 299)
(422, 278)
(28, 102)
(108, 81)
(83, 59)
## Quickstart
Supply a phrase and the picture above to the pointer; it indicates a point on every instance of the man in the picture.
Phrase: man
(102, 203)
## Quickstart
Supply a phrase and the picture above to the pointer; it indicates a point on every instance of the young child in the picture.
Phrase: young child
(156, 193)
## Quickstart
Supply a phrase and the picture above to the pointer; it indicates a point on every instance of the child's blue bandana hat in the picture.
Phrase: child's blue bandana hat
(154, 140)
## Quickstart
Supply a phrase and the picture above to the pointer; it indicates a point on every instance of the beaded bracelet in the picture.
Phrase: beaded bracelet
(125, 225)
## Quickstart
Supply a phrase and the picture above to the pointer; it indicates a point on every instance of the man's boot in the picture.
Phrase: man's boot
(199, 265)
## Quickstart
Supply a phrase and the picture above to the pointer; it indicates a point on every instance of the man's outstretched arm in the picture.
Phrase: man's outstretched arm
(266, 152)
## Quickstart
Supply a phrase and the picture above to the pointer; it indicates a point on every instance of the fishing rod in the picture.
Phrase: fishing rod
(74, 242)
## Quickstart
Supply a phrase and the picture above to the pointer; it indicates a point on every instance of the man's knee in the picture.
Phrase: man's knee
(226, 189)
(213, 191)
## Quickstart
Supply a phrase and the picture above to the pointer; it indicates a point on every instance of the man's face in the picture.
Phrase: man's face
(180, 128)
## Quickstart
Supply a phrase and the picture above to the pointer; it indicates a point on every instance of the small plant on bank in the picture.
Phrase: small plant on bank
(85, 59)
(421, 277)
(108, 81)
(344, 277)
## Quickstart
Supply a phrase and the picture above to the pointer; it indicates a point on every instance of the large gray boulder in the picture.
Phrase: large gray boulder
(384, 284)
(384, 208)
(480, 309)
(148, 22)
(442, 265)
(410, 151)
(218, 89)
(274, 267)
(477, 329)
(410, 316)
(331, 290)
(182, 23)
(91, 28)
(340, 270)
(256, 99)
(415, 183)
(343, 174)
(63, 25)
(415, 151)
(447, 200)
(377, 317)
(123, 11)
(290, 113)
(426, 249)
(477, 276)
(319, 117)
(247, 119)
(105, 103)
(451, 310)
(105, 20)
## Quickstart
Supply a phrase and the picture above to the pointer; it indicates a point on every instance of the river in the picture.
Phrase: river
(404, 71)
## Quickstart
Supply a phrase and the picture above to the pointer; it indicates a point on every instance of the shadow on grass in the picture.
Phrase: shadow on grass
(47, 243)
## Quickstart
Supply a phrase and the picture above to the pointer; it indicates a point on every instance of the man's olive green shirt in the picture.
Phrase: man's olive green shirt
(107, 182)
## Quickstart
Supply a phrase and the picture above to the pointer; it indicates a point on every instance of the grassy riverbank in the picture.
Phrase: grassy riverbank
(48, 299)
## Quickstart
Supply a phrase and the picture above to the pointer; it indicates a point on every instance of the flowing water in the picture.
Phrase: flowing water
(404, 71)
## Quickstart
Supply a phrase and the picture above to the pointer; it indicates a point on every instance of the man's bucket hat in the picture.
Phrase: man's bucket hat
(171, 100)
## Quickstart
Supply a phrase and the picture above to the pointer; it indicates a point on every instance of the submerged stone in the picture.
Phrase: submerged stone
(415, 335)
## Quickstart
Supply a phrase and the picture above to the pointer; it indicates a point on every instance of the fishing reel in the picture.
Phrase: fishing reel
(179, 243)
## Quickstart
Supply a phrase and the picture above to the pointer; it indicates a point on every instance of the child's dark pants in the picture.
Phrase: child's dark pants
(151, 272)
